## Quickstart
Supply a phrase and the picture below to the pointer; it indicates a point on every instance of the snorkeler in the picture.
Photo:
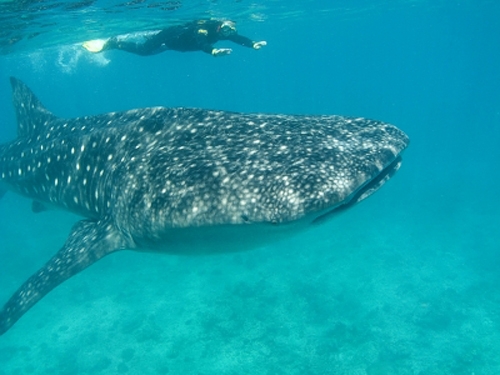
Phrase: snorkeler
(194, 36)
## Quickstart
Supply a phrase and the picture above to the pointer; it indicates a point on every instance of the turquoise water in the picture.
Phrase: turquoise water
(404, 283)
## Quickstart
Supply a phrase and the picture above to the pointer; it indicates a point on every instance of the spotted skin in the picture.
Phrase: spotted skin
(184, 180)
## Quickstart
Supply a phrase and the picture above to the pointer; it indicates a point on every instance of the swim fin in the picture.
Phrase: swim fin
(95, 46)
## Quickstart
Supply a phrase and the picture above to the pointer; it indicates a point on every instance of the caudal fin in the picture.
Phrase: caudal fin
(32, 116)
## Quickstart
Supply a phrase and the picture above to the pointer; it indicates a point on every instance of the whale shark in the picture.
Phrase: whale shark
(185, 180)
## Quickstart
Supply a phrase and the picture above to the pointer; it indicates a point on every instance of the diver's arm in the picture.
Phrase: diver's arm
(241, 40)
(207, 48)
(246, 42)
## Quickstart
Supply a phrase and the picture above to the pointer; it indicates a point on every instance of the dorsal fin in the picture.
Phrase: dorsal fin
(32, 116)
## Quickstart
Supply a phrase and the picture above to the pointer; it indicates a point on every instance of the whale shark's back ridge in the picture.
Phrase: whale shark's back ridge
(183, 180)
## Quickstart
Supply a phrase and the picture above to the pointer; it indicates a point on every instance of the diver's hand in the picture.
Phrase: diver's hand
(259, 45)
(221, 51)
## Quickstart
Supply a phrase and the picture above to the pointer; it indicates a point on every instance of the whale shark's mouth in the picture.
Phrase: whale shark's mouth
(365, 190)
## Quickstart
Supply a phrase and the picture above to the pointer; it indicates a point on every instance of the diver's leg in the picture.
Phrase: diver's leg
(144, 45)
(151, 45)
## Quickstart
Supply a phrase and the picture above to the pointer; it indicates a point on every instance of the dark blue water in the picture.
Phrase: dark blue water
(404, 283)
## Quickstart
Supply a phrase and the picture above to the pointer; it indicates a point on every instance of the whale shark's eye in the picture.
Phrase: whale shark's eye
(245, 218)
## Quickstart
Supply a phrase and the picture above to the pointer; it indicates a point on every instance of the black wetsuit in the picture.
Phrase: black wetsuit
(193, 36)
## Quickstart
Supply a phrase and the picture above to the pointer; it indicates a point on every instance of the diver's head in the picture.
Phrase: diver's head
(227, 28)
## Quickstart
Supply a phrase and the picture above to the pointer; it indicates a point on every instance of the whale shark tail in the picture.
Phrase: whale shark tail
(89, 240)
(32, 116)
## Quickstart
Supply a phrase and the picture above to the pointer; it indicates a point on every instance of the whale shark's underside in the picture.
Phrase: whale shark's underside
(184, 180)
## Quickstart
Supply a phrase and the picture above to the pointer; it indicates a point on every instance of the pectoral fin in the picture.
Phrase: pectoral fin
(88, 242)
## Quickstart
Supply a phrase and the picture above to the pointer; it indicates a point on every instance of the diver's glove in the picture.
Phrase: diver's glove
(259, 45)
(221, 51)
